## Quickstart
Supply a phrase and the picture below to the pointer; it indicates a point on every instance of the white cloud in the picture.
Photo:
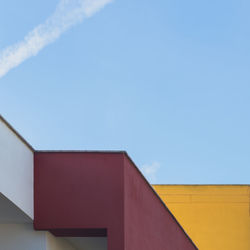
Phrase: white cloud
(150, 171)
(67, 14)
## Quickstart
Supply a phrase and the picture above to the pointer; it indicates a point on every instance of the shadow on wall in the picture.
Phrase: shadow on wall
(17, 233)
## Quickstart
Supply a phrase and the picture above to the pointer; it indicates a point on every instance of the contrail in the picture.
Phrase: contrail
(67, 14)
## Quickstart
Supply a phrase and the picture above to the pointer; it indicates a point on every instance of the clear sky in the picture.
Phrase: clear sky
(167, 81)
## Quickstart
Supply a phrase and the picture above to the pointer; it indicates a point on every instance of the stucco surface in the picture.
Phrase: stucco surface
(214, 216)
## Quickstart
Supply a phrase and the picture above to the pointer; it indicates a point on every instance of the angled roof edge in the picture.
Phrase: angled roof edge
(161, 201)
(16, 133)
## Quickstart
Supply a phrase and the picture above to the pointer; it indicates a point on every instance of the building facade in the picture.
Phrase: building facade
(214, 216)
(79, 200)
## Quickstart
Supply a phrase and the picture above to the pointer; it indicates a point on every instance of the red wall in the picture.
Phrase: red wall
(98, 194)
(148, 223)
(77, 191)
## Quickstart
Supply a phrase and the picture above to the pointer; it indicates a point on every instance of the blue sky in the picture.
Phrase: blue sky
(167, 81)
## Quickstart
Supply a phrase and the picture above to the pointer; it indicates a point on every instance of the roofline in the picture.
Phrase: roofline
(123, 152)
(244, 185)
(117, 152)
(16, 133)
(83, 151)
(156, 194)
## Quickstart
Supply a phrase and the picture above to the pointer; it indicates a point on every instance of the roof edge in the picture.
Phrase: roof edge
(82, 151)
(16, 133)
(156, 194)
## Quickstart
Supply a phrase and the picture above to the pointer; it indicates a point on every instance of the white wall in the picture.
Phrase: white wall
(21, 237)
(16, 170)
(17, 232)
(56, 243)
(88, 243)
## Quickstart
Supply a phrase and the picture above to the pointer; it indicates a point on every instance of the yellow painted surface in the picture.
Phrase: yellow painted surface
(215, 217)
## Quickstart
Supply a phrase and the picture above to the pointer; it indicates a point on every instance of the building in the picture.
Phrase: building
(79, 200)
(214, 216)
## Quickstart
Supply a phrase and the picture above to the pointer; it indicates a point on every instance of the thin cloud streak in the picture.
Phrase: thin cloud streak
(67, 14)
(150, 171)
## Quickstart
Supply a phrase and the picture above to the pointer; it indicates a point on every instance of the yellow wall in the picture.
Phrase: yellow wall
(214, 216)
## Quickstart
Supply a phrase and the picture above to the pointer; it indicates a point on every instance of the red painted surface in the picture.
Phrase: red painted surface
(80, 190)
(84, 193)
(148, 223)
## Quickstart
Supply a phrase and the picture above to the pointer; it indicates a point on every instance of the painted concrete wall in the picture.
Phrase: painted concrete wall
(64, 181)
(148, 223)
(16, 168)
(17, 232)
(120, 203)
(56, 243)
(21, 237)
(88, 243)
(215, 217)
